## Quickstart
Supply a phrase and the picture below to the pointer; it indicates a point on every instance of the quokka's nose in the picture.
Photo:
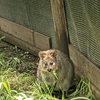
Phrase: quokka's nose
(49, 70)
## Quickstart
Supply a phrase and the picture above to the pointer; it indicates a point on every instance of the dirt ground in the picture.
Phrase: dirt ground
(27, 62)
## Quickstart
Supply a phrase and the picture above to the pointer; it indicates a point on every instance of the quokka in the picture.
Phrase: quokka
(55, 69)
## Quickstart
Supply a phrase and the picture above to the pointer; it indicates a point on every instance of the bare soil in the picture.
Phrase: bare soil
(28, 62)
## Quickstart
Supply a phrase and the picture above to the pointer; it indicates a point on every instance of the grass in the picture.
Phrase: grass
(83, 91)
(18, 84)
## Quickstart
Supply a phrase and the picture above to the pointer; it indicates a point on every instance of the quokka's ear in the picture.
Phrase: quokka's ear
(42, 54)
(53, 53)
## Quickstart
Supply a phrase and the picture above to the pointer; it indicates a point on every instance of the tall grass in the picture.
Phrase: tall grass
(83, 91)
(21, 87)
(25, 87)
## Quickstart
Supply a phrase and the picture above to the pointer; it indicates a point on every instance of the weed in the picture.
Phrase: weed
(15, 48)
(25, 54)
(55, 74)
(83, 91)
(1, 38)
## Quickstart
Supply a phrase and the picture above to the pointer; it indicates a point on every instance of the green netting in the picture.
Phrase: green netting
(33, 14)
(83, 18)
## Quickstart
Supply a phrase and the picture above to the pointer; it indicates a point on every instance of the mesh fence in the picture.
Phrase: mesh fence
(83, 18)
(33, 14)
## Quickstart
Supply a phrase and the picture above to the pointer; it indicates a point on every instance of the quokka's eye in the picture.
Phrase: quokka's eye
(45, 64)
(51, 63)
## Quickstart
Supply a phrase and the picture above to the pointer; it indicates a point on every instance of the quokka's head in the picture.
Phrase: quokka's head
(49, 61)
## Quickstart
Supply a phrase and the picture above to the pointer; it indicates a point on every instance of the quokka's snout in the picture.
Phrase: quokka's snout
(49, 70)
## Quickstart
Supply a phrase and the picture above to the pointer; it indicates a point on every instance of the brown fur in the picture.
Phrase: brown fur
(51, 60)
